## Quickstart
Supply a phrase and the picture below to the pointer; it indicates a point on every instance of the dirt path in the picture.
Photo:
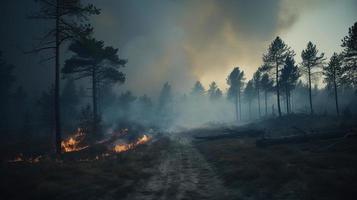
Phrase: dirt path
(184, 174)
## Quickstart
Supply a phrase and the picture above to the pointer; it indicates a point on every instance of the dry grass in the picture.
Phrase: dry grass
(295, 171)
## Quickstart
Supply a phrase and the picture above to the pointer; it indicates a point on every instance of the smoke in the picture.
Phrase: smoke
(185, 41)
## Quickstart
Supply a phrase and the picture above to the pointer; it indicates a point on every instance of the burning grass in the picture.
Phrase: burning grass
(126, 147)
(104, 176)
(74, 142)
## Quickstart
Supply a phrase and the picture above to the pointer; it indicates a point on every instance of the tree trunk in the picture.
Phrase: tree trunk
(310, 95)
(336, 97)
(57, 116)
(278, 89)
(266, 103)
(259, 103)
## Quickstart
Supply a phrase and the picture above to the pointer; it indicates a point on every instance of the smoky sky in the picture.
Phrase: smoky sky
(179, 41)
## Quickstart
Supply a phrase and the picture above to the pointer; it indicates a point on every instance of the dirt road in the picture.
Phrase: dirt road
(183, 174)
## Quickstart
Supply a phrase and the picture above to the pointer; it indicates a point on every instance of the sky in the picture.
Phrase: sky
(182, 41)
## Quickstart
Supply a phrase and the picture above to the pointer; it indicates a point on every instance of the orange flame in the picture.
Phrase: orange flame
(125, 147)
(72, 143)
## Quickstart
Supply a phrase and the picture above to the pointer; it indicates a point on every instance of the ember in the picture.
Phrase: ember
(73, 143)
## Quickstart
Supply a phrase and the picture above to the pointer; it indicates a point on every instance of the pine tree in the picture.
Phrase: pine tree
(93, 60)
(311, 61)
(349, 43)
(165, 102)
(274, 60)
(198, 89)
(235, 81)
(69, 19)
(214, 92)
(249, 93)
(267, 85)
(289, 77)
(333, 76)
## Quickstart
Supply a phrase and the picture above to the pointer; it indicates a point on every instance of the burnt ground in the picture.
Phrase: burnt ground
(180, 166)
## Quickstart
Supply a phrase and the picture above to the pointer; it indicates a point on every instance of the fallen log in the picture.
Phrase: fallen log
(295, 139)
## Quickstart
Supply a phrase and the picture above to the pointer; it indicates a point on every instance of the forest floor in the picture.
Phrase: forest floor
(180, 166)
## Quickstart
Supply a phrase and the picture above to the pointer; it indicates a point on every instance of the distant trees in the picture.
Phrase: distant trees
(165, 97)
(145, 107)
(125, 100)
(235, 81)
(70, 100)
(165, 101)
(288, 79)
(275, 58)
(349, 43)
(249, 94)
(267, 85)
(214, 92)
(93, 60)
(198, 89)
(310, 61)
(67, 16)
(45, 104)
(333, 76)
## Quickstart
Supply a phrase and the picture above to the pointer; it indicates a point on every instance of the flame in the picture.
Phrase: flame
(125, 147)
(72, 143)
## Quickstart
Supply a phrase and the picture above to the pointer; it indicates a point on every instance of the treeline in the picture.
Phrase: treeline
(281, 75)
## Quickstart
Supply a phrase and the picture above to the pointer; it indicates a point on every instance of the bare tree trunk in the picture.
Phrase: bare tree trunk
(310, 95)
(57, 116)
(278, 89)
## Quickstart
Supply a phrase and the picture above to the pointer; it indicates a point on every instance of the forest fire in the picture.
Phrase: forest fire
(125, 147)
(73, 142)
